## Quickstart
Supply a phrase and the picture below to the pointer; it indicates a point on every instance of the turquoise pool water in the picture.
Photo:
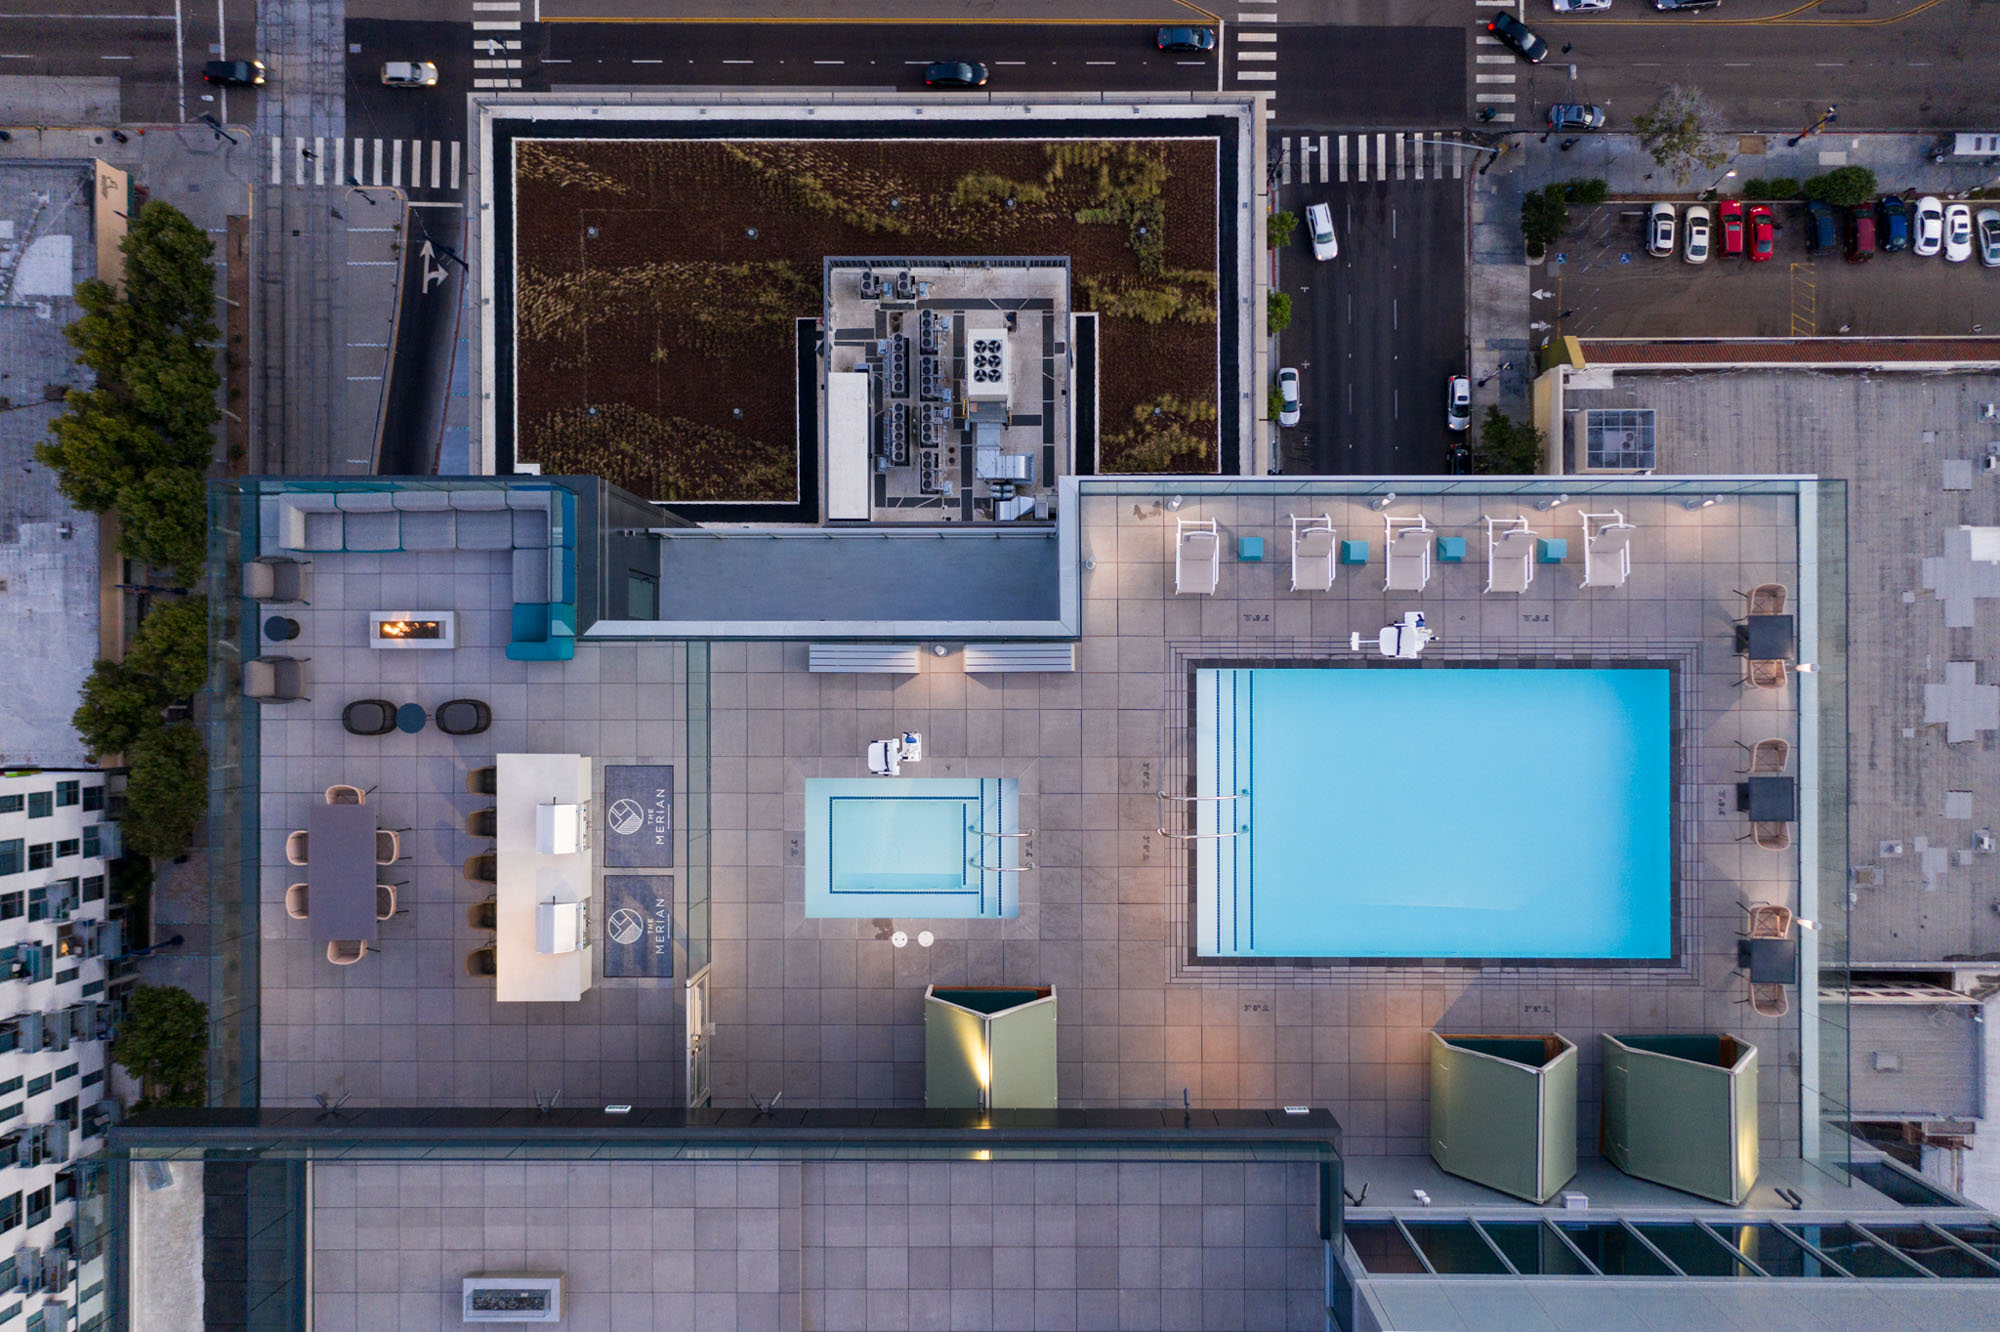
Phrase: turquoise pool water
(911, 847)
(1434, 813)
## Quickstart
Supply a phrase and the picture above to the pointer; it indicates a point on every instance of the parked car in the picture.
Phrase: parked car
(1186, 39)
(1930, 227)
(1660, 230)
(1288, 397)
(410, 74)
(1987, 224)
(234, 73)
(1686, 4)
(1319, 226)
(1515, 35)
(1458, 402)
(1957, 233)
(1573, 6)
(1860, 234)
(1894, 233)
(1729, 219)
(1822, 233)
(1576, 116)
(1763, 233)
(1694, 244)
(955, 74)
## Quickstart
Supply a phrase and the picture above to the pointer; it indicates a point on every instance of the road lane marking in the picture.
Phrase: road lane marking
(378, 161)
(1285, 160)
(1265, 37)
(1258, 75)
(1322, 159)
(319, 160)
(396, 163)
(1255, 55)
(1497, 78)
(454, 164)
(277, 162)
(1342, 142)
(637, 61)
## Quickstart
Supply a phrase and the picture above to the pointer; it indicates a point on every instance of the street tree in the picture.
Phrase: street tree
(170, 273)
(1508, 447)
(1544, 214)
(1680, 132)
(1279, 228)
(163, 520)
(99, 447)
(1842, 187)
(118, 705)
(171, 647)
(166, 791)
(162, 1041)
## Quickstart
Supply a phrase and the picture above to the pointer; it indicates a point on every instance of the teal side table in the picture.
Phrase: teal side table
(1250, 549)
(1354, 552)
(1451, 550)
(1551, 550)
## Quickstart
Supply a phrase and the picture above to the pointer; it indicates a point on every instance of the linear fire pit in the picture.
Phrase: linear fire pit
(412, 629)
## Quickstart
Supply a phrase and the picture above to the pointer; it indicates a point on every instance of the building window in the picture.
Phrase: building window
(10, 856)
(65, 977)
(11, 804)
(12, 906)
(93, 841)
(67, 794)
(67, 847)
(10, 1212)
(36, 1086)
(10, 1085)
(41, 855)
(39, 1204)
(41, 804)
(93, 887)
(66, 1115)
(10, 1040)
(38, 904)
(90, 1079)
(10, 1112)
(36, 1323)
(93, 799)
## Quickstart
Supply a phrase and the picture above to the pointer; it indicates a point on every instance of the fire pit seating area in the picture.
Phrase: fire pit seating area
(537, 527)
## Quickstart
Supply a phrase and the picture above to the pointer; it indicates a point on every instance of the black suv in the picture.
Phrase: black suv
(234, 73)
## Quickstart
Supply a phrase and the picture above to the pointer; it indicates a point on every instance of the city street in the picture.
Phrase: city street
(150, 51)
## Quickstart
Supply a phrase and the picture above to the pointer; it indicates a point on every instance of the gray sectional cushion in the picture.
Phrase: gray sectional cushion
(485, 529)
(431, 530)
(531, 528)
(531, 575)
(478, 499)
(366, 501)
(374, 531)
(302, 528)
(412, 500)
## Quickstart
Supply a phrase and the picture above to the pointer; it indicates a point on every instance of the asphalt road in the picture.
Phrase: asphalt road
(1376, 332)
(1377, 78)
(377, 111)
(159, 77)
(1937, 68)
(427, 320)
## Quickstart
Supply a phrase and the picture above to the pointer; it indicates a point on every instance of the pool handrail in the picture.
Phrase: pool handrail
(1161, 821)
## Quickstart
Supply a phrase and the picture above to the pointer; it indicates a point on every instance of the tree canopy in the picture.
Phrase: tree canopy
(1680, 132)
(1508, 447)
(163, 1042)
(166, 793)
(1842, 187)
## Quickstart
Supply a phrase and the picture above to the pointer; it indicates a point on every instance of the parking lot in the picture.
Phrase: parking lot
(1601, 282)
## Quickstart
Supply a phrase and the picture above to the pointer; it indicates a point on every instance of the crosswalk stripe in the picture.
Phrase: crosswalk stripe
(1257, 75)
(319, 161)
(1400, 147)
(1423, 149)
(396, 163)
(1263, 37)
(1497, 78)
(1256, 55)
(497, 25)
(1342, 142)
(1494, 97)
(1285, 161)
(1382, 156)
(1322, 159)
(454, 164)
(1494, 59)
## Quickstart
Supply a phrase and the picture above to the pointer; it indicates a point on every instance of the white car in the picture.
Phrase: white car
(1660, 231)
(1288, 396)
(1694, 246)
(1575, 6)
(1930, 227)
(1319, 224)
(410, 74)
(1958, 233)
(1458, 402)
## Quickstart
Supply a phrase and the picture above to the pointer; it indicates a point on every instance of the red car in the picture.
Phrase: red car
(1762, 233)
(1729, 220)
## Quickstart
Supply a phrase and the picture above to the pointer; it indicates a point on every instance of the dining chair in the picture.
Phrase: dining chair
(295, 848)
(482, 823)
(481, 963)
(1766, 757)
(484, 915)
(1768, 920)
(346, 952)
(483, 868)
(296, 903)
(388, 847)
(1768, 1000)
(385, 901)
(345, 795)
(483, 781)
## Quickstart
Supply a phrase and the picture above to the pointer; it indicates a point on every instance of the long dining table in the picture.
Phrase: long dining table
(340, 871)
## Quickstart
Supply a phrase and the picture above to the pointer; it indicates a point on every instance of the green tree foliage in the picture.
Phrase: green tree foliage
(1278, 312)
(1279, 228)
(1544, 214)
(1843, 186)
(166, 793)
(1776, 187)
(163, 1042)
(1586, 193)
(140, 441)
(118, 706)
(1277, 402)
(1507, 447)
(1680, 132)
(171, 647)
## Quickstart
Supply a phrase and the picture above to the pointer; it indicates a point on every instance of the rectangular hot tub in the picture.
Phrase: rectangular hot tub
(908, 847)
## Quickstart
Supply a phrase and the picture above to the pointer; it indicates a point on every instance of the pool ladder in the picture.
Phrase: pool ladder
(1159, 809)
(1005, 836)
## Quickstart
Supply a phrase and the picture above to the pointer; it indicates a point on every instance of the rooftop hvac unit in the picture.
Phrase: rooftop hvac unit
(871, 284)
(988, 373)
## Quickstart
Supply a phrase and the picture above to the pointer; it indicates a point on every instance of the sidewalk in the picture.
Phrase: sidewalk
(1499, 281)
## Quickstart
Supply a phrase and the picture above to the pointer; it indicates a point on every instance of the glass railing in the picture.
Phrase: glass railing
(234, 851)
(699, 929)
(1824, 887)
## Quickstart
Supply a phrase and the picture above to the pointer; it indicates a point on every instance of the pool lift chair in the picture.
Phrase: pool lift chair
(1197, 556)
(1510, 554)
(887, 757)
(1312, 553)
(1404, 640)
(1607, 549)
(1408, 542)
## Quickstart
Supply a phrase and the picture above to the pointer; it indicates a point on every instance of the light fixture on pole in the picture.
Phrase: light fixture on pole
(1804, 667)
(1805, 924)
(1553, 502)
(1693, 504)
(1173, 504)
(1717, 187)
(1382, 501)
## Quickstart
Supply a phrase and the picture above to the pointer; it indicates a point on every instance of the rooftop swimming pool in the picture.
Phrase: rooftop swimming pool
(1433, 813)
(911, 847)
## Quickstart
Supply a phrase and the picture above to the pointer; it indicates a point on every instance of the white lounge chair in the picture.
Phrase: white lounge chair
(1607, 549)
(1408, 543)
(1312, 553)
(1510, 554)
(1197, 555)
